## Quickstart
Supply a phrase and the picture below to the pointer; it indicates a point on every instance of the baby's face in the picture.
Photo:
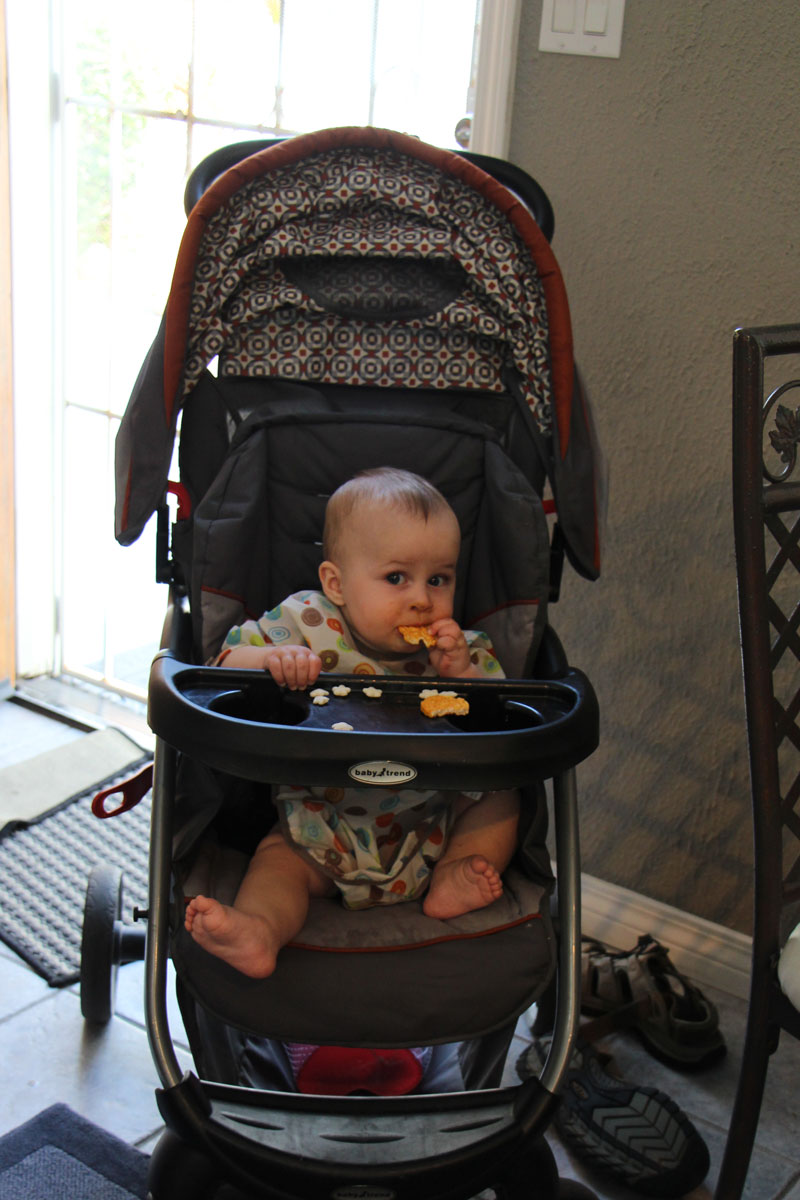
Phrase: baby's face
(395, 569)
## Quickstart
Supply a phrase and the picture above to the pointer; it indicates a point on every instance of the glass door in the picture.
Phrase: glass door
(132, 112)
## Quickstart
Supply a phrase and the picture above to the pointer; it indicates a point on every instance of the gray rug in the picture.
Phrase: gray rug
(44, 867)
(58, 1155)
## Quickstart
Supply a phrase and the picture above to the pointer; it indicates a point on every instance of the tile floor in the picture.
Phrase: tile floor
(48, 1055)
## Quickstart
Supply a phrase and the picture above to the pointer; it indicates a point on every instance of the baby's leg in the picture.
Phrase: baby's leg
(269, 910)
(480, 846)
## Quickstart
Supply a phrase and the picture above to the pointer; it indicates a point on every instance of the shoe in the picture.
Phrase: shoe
(630, 1133)
(640, 989)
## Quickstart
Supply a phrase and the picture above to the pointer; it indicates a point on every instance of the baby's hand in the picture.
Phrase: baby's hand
(450, 656)
(291, 666)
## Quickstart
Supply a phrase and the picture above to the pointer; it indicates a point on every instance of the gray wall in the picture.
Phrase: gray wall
(674, 173)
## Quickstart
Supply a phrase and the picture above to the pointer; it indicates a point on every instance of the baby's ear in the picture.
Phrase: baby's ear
(330, 578)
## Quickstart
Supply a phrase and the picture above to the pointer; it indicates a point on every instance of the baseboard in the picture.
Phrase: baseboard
(704, 951)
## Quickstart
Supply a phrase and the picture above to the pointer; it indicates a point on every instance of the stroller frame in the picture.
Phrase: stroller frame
(380, 1144)
(285, 1145)
(506, 1121)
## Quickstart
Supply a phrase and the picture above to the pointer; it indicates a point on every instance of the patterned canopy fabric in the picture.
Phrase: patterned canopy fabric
(407, 278)
(364, 257)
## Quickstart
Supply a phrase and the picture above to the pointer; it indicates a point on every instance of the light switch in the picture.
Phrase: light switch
(595, 18)
(591, 27)
(563, 16)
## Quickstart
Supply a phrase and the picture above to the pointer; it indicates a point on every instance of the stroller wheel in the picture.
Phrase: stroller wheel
(178, 1171)
(100, 943)
(532, 1174)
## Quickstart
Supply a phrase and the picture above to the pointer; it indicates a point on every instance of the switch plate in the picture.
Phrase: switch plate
(596, 27)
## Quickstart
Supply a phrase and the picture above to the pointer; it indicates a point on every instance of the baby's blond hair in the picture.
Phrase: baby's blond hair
(388, 486)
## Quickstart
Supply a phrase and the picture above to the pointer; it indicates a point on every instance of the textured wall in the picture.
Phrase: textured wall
(674, 173)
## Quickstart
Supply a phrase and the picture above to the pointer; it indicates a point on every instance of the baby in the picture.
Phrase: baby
(391, 545)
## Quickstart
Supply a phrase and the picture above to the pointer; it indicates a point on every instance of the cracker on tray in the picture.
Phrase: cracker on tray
(444, 706)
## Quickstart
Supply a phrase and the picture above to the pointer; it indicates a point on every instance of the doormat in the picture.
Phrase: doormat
(31, 789)
(45, 865)
(59, 1155)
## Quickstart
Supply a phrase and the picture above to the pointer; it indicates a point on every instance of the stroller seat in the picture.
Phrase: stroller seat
(369, 301)
(292, 450)
(361, 961)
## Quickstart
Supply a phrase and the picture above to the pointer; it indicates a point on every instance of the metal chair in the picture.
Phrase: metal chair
(766, 504)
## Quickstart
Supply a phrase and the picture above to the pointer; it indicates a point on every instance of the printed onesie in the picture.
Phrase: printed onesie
(379, 845)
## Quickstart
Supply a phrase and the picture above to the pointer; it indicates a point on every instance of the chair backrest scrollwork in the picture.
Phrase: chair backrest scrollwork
(766, 510)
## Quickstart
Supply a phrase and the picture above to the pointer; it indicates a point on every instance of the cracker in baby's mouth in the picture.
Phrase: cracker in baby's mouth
(416, 635)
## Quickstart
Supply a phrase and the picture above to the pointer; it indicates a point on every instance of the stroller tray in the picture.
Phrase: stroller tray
(242, 722)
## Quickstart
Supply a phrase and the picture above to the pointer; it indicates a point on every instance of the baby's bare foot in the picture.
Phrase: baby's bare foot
(244, 940)
(461, 886)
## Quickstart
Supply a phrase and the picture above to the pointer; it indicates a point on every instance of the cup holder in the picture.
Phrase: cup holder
(490, 717)
(263, 705)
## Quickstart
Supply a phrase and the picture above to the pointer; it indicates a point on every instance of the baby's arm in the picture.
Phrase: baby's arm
(450, 656)
(291, 666)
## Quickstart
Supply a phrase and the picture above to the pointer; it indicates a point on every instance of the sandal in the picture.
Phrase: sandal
(642, 990)
(633, 1134)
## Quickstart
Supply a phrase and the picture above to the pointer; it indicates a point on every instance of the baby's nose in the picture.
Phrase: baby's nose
(421, 600)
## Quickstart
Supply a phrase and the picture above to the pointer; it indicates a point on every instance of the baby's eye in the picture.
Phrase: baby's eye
(394, 577)
(438, 581)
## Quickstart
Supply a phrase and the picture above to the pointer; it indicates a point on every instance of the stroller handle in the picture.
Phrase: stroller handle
(523, 185)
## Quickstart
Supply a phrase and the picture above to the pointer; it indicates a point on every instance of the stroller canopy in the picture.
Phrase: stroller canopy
(365, 257)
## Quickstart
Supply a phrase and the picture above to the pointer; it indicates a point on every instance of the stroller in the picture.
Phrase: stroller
(368, 301)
